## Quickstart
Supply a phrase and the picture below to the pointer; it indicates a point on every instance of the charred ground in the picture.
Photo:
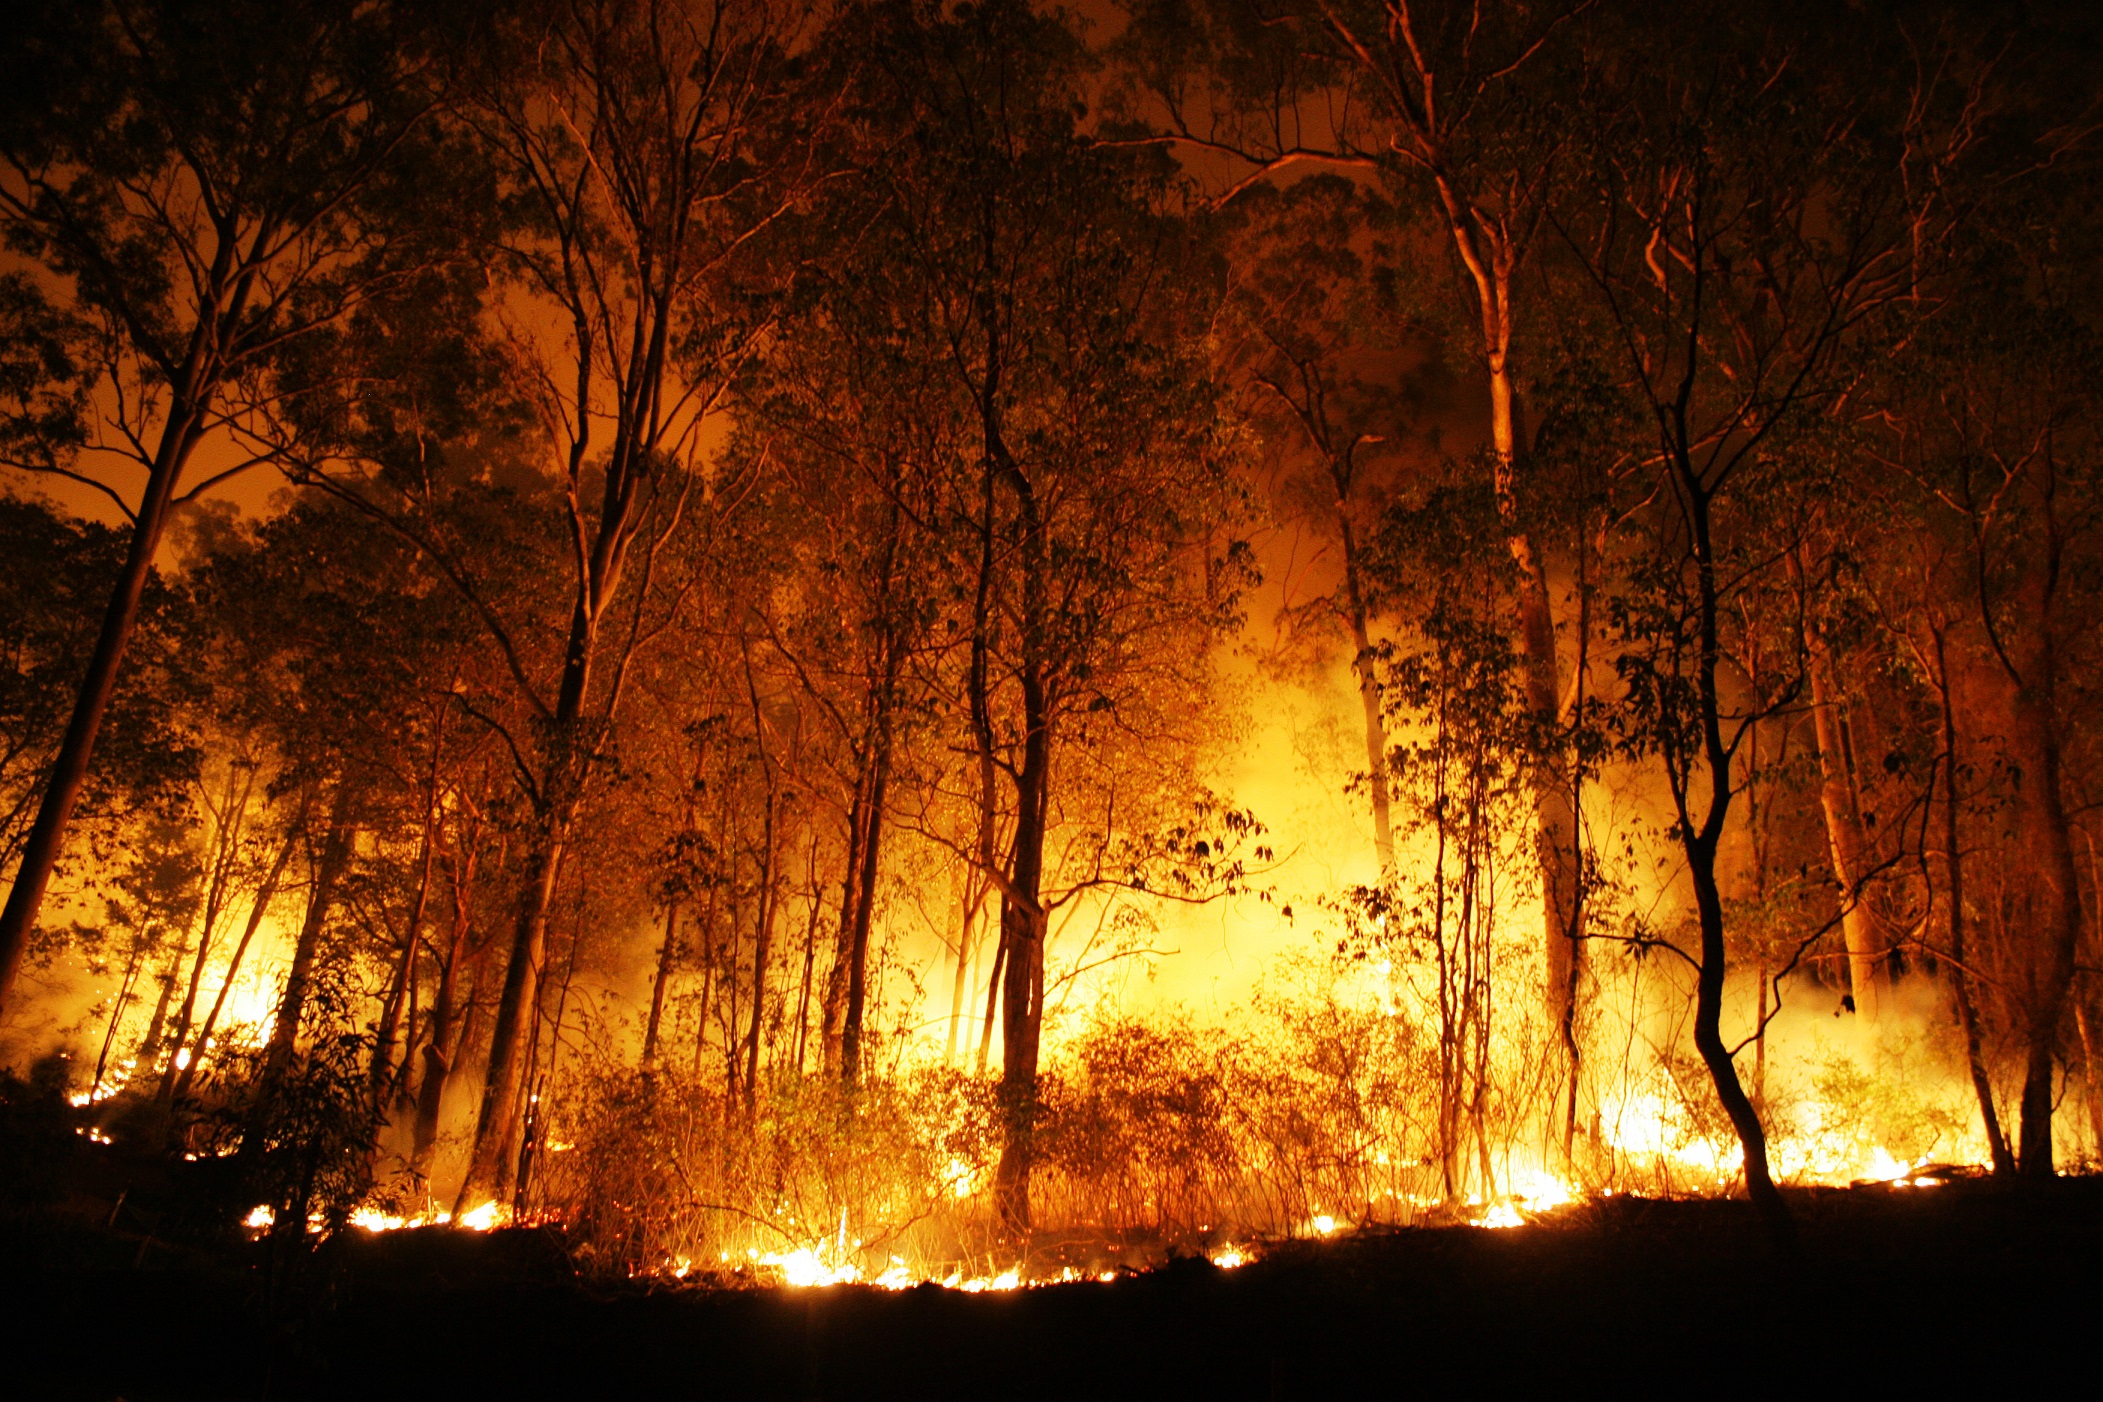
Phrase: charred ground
(1911, 1287)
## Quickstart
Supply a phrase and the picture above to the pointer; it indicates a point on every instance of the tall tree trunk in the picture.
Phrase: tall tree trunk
(328, 870)
(495, 1155)
(810, 953)
(763, 932)
(1491, 258)
(405, 967)
(707, 937)
(666, 954)
(1846, 843)
(762, 942)
(1368, 697)
(1022, 914)
(445, 1030)
(1961, 974)
(1699, 841)
(832, 1002)
(864, 906)
(2054, 903)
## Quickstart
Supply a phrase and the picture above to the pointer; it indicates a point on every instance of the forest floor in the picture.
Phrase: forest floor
(1939, 1289)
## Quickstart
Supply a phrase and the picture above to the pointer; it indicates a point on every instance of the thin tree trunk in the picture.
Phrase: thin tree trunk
(328, 870)
(266, 893)
(443, 1039)
(405, 969)
(666, 953)
(1846, 843)
(763, 932)
(971, 897)
(810, 952)
(1022, 915)
(1368, 698)
(832, 1003)
(150, 1046)
(1961, 980)
(1699, 843)
(109, 1035)
(762, 941)
(228, 832)
(864, 907)
(708, 975)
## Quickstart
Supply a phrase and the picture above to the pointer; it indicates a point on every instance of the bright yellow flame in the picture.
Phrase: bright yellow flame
(485, 1217)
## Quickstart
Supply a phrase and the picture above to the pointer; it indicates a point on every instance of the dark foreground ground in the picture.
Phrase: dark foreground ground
(1958, 1288)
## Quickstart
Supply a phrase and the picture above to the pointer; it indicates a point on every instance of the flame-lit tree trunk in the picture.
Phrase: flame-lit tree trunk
(2052, 901)
(401, 988)
(1961, 974)
(445, 1029)
(1846, 842)
(769, 884)
(1362, 662)
(1022, 914)
(667, 952)
(878, 742)
(329, 866)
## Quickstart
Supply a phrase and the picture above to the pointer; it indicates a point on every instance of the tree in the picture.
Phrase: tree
(1741, 259)
(1469, 104)
(194, 205)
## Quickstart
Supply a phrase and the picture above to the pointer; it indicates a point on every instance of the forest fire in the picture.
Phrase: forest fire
(689, 644)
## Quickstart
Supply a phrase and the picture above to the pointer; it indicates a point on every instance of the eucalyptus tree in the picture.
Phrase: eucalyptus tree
(196, 189)
(1315, 341)
(1054, 298)
(1743, 260)
(1468, 105)
(636, 155)
(53, 570)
